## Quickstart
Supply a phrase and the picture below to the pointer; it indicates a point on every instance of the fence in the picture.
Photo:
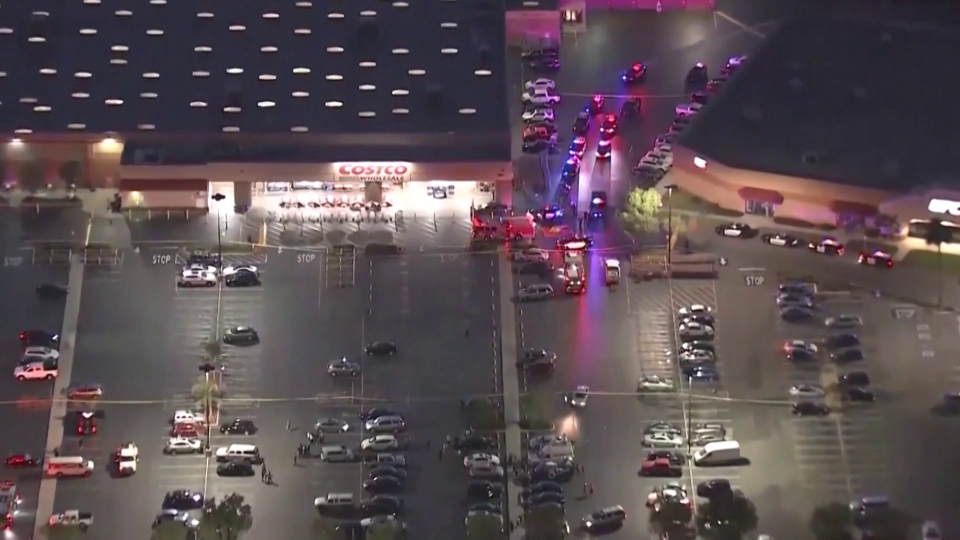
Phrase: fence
(137, 214)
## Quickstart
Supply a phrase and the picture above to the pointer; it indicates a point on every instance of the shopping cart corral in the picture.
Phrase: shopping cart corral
(330, 216)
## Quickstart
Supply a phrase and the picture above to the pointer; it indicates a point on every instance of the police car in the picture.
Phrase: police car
(880, 259)
(735, 230)
(827, 246)
(781, 240)
(127, 455)
(604, 149)
(547, 213)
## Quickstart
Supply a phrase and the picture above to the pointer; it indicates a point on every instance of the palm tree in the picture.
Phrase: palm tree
(212, 350)
(206, 392)
(937, 235)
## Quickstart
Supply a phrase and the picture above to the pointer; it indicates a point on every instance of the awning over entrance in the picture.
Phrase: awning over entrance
(760, 195)
(163, 184)
(851, 208)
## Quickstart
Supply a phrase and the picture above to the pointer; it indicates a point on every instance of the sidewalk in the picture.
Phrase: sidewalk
(511, 389)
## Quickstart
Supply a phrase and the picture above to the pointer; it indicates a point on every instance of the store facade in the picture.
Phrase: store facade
(185, 186)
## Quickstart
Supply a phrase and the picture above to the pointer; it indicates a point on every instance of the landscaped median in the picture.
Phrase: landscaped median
(932, 260)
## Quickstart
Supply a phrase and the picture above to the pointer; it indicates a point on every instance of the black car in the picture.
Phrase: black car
(796, 314)
(780, 240)
(676, 458)
(204, 257)
(386, 470)
(810, 408)
(182, 500)
(630, 107)
(860, 394)
(535, 268)
(383, 484)
(847, 355)
(547, 52)
(239, 426)
(377, 412)
(39, 338)
(378, 348)
(546, 63)
(700, 97)
(51, 290)
(382, 505)
(485, 507)
(714, 488)
(535, 146)
(552, 471)
(475, 443)
(542, 487)
(635, 74)
(840, 341)
(801, 355)
(242, 278)
(582, 124)
(547, 214)
(241, 335)
(855, 378)
(235, 468)
(484, 490)
(697, 74)
(546, 497)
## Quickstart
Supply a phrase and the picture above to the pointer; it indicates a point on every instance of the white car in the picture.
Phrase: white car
(380, 443)
(35, 371)
(806, 391)
(664, 148)
(658, 154)
(189, 417)
(540, 96)
(578, 398)
(196, 278)
(39, 354)
(71, 518)
(486, 471)
(647, 168)
(653, 163)
(666, 138)
(480, 460)
(541, 441)
(539, 291)
(662, 427)
(531, 255)
(201, 268)
(694, 310)
(688, 109)
(383, 520)
(183, 445)
(843, 321)
(127, 456)
(538, 115)
(695, 330)
(546, 84)
(697, 356)
(654, 383)
(231, 270)
(662, 440)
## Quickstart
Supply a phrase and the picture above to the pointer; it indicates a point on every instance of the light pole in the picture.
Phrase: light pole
(217, 197)
(670, 188)
(207, 368)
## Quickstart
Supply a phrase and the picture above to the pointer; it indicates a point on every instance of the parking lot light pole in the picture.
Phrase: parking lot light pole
(689, 415)
(670, 188)
(207, 368)
(217, 197)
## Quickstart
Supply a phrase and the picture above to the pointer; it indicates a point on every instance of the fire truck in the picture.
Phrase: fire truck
(9, 499)
(574, 278)
(503, 228)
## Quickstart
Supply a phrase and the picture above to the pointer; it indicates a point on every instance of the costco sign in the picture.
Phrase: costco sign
(373, 172)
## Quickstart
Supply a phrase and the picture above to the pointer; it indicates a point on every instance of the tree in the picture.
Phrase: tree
(169, 530)
(677, 224)
(729, 517)
(484, 527)
(212, 350)
(831, 522)
(71, 172)
(226, 520)
(206, 391)
(33, 175)
(545, 523)
(640, 211)
(937, 235)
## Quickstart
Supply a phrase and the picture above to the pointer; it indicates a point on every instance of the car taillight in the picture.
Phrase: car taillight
(889, 264)
(23, 335)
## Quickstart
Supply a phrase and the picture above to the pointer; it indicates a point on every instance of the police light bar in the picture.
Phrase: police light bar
(575, 245)
(598, 200)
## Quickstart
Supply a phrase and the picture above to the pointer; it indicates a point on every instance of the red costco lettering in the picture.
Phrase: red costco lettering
(372, 170)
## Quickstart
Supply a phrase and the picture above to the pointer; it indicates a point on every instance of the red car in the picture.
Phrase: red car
(20, 460)
(659, 467)
(880, 259)
(86, 425)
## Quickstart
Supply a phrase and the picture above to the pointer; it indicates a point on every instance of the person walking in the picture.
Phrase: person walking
(294, 459)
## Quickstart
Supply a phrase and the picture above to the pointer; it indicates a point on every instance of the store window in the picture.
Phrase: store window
(759, 201)
(760, 208)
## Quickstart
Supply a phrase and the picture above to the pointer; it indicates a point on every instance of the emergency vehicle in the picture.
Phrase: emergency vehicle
(574, 281)
(503, 228)
(9, 499)
(611, 271)
(127, 456)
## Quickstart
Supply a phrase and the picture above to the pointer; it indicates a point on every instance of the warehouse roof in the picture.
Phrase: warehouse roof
(846, 101)
(208, 66)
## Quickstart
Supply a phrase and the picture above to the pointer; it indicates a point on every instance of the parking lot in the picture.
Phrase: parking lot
(143, 339)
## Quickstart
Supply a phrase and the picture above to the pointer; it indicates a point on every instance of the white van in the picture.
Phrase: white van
(67, 466)
(240, 452)
(554, 452)
(385, 424)
(687, 109)
(334, 500)
(539, 291)
(718, 453)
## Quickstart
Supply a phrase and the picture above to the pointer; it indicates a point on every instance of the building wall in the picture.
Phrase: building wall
(100, 161)
(804, 198)
(526, 27)
(164, 199)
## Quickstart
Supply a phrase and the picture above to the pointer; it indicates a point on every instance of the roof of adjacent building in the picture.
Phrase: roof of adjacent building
(284, 66)
(847, 101)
